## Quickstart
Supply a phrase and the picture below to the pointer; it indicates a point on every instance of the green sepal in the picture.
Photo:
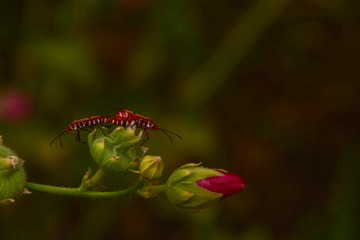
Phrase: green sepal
(182, 190)
(116, 151)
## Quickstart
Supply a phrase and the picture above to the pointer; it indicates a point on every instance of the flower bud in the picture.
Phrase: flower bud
(115, 151)
(15, 106)
(151, 167)
(227, 184)
(195, 188)
(12, 175)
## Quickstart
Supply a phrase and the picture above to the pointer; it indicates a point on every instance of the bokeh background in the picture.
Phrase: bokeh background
(266, 89)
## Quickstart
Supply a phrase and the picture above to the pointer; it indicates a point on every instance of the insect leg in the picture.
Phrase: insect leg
(147, 137)
(78, 138)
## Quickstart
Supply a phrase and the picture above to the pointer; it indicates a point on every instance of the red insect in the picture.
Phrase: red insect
(127, 118)
(77, 125)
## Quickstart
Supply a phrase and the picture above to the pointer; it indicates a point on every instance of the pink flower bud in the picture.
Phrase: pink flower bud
(227, 185)
(194, 187)
(15, 106)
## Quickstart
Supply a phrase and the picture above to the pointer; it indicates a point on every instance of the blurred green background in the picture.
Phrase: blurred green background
(266, 89)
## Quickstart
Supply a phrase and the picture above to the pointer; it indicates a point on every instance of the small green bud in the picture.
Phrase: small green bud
(115, 151)
(195, 188)
(12, 175)
(151, 167)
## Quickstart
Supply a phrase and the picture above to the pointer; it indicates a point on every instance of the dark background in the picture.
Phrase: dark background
(265, 89)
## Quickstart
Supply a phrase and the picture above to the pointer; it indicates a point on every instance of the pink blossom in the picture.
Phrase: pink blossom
(15, 106)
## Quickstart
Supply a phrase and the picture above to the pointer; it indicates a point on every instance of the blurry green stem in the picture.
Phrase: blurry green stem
(77, 192)
(231, 51)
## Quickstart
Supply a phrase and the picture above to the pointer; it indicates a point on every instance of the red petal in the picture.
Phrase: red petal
(227, 185)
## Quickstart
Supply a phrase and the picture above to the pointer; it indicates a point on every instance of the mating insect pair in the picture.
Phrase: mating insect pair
(124, 118)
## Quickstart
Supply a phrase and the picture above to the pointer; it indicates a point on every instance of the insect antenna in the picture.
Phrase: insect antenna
(166, 132)
(58, 137)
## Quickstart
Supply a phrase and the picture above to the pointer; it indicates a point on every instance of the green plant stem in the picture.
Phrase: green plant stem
(157, 189)
(99, 175)
(77, 192)
(94, 181)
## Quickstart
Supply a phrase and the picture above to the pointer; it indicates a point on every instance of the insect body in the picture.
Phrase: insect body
(82, 123)
(124, 118)
(127, 118)
(77, 125)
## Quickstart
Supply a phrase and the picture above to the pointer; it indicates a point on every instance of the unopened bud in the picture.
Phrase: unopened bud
(115, 151)
(195, 188)
(151, 167)
(12, 176)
